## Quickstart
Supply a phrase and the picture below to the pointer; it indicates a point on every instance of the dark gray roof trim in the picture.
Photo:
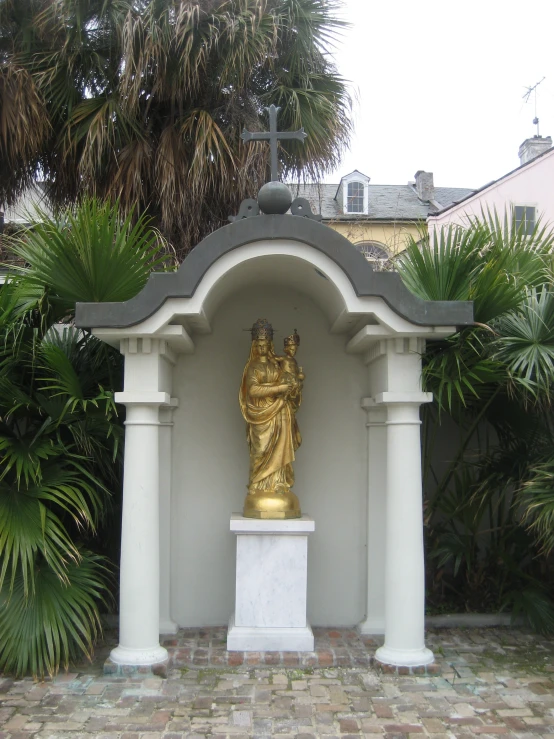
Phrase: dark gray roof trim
(183, 283)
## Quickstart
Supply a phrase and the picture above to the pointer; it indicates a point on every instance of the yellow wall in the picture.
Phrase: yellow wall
(392, 235)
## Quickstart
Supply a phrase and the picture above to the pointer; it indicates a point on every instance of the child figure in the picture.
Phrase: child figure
(290, 371)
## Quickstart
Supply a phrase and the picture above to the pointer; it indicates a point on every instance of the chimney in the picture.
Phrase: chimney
(532, 148)
(424, 185)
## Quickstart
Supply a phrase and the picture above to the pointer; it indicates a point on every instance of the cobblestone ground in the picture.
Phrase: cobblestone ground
(493, 682)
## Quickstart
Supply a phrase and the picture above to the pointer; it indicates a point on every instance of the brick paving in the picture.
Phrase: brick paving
(494, 682)
(333, 648)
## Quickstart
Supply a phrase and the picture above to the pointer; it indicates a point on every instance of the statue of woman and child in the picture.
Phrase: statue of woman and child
(270, 394)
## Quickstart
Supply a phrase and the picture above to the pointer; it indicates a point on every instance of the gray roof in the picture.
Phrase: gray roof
(386, 202)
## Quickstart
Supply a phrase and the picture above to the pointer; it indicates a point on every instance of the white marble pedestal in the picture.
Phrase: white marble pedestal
(272, 569)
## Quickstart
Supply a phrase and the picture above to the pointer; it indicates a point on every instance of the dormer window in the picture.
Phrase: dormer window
(355, 197)
(353, 194)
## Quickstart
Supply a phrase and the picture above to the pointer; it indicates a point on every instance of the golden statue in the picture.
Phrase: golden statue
(270, 394)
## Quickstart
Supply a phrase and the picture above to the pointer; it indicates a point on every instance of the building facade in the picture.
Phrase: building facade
(379, 219)
(525, 193)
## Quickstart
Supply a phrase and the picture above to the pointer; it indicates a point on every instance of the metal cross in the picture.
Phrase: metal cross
(273, 136)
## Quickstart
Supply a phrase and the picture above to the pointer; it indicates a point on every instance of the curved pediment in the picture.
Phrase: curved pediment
(187, 280)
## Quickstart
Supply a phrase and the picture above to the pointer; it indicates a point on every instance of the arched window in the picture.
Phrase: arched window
(355, 197)
(372, 250)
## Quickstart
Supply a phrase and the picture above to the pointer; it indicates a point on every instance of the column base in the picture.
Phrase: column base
(129, 659)
(167, 626)
(371, 627)
(404, 657)
(269, 639)
(113, 668)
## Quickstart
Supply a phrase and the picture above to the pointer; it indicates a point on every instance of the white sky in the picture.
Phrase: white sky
(440, 86)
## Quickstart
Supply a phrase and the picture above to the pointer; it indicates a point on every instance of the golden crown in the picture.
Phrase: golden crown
(292, 339)
(262, 329)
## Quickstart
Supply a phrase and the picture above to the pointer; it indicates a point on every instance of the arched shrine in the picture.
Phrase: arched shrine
(358, 472)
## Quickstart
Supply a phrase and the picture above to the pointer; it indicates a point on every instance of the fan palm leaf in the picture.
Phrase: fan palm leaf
(59, 434)
(532, 602)
(489, 262)
(31, 523)
(442, 265)
(58, 621)
(146, 102)
(24, 126)
(537, 498)
(525, 345)
(86, 254)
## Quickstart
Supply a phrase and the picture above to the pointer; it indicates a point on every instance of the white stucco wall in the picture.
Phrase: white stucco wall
(530, 185)
(210, 461)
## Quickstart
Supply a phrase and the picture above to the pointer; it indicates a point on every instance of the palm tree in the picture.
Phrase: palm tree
(60, 432)
(489, 510)
(145, 101)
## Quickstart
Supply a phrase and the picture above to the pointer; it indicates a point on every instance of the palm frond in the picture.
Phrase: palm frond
(537, 499)
(145, 102)
(87, 254)
(534, 604)
(24, 129)
(459, 370)
(46, 628)
(489, 262)
(525, 344)
(441, 266)
(31, 520)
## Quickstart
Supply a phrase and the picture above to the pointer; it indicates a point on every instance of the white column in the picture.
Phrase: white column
(404, 563)
(374, 622)
(167, 625)
(139, 606)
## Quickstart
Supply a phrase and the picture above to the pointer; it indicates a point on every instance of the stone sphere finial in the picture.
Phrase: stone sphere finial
(274, 198)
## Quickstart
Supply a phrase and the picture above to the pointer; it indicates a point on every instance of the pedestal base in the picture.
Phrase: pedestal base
(271, 585)
(269, 639)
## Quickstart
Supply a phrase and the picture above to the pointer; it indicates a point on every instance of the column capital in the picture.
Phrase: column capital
(376, 414)
(166, 412)
(137, 397)
(388, 398)
(146, 345)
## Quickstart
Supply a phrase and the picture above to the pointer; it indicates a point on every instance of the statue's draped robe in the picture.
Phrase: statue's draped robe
(271, 429)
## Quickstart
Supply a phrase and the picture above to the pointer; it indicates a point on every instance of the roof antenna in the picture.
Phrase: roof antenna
(526, 97)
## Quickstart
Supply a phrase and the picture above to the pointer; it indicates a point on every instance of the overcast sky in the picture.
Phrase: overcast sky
(440, 86)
